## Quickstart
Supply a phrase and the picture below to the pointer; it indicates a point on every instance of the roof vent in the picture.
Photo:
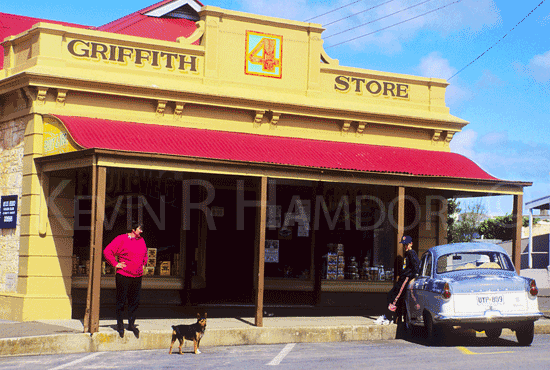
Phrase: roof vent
(186, 9)
(185, 12)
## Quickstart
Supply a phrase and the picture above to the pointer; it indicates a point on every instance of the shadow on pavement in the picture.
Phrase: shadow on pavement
(32, 328)
(452, 338)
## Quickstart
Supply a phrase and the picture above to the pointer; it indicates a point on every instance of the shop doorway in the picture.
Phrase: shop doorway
(230, 251)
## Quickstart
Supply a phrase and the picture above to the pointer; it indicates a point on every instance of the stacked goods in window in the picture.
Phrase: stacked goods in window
(165, 268)
(341, 262)
(332, 262)
(353, 270)
(151, 261)
(365, 270)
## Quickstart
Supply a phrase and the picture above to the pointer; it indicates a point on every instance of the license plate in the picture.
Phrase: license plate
(489, 300)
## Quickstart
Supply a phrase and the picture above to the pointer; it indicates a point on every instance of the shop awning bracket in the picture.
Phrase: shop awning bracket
(275, 116)
(41, 97)
(61, 96)
(258, 117)
(178, 112)
(161, 106)
(436, 135)
(345, 126)
(449, 137)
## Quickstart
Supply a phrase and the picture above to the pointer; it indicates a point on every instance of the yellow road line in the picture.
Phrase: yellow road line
(466, 351)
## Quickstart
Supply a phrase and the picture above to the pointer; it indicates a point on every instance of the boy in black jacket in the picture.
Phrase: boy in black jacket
(411, 267)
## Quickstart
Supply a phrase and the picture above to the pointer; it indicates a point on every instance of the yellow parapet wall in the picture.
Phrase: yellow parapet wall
(252, 73)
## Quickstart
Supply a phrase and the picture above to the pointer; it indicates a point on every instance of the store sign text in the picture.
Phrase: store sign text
(140, 57)
(361, 85)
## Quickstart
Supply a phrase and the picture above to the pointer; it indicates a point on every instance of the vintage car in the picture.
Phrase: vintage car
(472, 286)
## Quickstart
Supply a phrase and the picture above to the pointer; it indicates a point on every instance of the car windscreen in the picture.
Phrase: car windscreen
(473, 260)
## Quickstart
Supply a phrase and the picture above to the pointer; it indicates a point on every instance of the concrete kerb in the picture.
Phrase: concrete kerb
(108, 340)
(160, 339)
(46, 344)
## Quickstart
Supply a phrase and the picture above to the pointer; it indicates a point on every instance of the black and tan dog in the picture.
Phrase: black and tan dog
(193, 332)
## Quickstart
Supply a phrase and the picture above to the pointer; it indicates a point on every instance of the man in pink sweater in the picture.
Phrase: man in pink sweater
(128, 254)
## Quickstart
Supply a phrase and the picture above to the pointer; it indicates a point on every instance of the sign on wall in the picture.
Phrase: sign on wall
(8, 212)
(56, 138)
(271, 251)
(264, 54)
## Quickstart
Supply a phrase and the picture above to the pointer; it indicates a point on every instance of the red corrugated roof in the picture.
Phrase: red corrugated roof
(134, 24)
(11, 24)
(201, 143)
(138, 24)
(166, 29)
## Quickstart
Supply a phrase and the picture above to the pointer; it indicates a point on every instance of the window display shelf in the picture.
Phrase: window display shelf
(356, 286)
(148, 282)
(299, 285)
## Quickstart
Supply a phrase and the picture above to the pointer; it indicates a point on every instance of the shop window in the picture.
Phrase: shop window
(153, 198)
(354, 237)
(288, 251)
(359, 237)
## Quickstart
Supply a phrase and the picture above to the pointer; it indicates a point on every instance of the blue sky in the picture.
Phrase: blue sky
(505, 94)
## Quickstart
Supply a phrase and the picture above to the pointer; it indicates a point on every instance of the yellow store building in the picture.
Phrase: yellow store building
(264, 172)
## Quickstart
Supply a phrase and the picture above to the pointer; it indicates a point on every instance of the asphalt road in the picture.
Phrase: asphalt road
(463, 353)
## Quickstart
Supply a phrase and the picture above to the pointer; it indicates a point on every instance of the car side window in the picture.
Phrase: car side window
(427, 271)
(422, 264)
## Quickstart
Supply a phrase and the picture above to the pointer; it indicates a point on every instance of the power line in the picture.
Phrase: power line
(386, 16)
(363, 11)
(332, 11)
(396, 24)
(502, 38)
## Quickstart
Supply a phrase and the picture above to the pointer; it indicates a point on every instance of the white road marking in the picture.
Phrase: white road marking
(91, 355)
(285, 351)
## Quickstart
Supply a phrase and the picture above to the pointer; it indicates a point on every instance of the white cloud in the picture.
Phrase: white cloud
(464, 142)
(495, 138)
(287, 9)
(504, 158)
(489, 80)
(542, 61)
(539, 67)
(434, 65)
(470, 16)
(456, 94)
(509, 160)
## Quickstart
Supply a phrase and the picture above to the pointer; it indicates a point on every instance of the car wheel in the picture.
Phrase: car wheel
(429, 326)
(525, 334)
(493, 333)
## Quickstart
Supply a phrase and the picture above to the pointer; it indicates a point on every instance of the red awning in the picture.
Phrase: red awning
(201, 143)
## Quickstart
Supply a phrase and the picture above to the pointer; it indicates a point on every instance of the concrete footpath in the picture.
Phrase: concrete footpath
(55, 337)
